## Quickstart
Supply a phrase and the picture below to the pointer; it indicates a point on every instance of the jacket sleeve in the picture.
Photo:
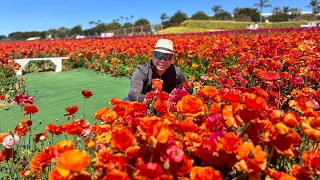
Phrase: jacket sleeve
(136, 86)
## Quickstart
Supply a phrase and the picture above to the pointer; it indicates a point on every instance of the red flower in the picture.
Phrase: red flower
(30, 109)
(2, 97)
(87, 93)
(71, 111)
(54, 129)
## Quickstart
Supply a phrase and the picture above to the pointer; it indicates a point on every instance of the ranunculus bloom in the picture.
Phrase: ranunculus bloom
(205, 173)
(73, 160)
(30, 109)
(157, 84)
(22, 100)
(191, 106)
(71, 111)
(87, 93)
(175, 153)
(10, 141)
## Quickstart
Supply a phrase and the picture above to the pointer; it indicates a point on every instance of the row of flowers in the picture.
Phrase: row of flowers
(290, 50)
(214, 134)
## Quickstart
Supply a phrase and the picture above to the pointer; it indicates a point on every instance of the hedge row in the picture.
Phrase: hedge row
(232, 25)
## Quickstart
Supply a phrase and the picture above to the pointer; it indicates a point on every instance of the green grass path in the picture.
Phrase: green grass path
(55, 91)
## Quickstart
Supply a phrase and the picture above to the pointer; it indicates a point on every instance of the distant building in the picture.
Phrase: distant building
(33, 38)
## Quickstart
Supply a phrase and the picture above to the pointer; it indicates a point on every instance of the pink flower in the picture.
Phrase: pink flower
(238, 76)
(175, 153)
(204, 78)
(217, 134)
(214, 122)
(173, 107)
(22, 100)
(10, 141)
(177, 94)
(297, 81)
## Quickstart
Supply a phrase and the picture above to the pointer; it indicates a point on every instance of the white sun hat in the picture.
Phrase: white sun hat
(164, 46)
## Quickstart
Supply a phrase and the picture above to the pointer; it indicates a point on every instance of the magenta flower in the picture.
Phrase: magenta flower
(177, 94)
(23, 100)
(297, 81)
(214, 136)
(214, 122)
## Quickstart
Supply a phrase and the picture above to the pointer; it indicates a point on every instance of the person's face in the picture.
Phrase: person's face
(161, 61)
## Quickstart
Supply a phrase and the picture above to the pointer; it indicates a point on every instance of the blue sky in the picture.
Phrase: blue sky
(39, 15)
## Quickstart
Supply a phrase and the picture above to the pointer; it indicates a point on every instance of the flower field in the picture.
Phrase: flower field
(254, 113)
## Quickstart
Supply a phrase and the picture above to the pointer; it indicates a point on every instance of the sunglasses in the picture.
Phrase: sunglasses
(166, 57)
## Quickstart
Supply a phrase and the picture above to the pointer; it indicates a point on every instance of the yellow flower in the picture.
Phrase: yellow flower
(196, 85)
(80, 54)
(194, 65)
(104, 138)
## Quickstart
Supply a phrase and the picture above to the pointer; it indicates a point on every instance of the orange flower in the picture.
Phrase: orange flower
(203, 173)
(311, 160)
(192, 140)
(26, 122)
(254, 158)
(72, 161)
(123, 108)
(122, 139)
(228, 114)
(287, 143)
(278, 175)
(157, 84)
(292, 119)
(116, 174)
(90, 143)
(99, 113)
(207, 93)
(41, 160)
(109, 116)
(161, 105)
(254, 102)
(191, 106)
(54, 129)
(302, 104)
(54, 175)
(300, 172)
(64, 145)
(30, 109)
(230, 142)
(2, 136)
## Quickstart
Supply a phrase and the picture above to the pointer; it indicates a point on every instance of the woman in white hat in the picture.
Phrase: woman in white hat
(160, 67)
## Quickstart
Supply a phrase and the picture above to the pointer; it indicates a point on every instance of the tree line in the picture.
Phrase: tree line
(239, 14)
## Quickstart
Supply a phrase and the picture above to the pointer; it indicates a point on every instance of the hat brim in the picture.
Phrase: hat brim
(162, 51)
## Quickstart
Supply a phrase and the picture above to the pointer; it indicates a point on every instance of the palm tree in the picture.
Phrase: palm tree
(295, 12)
(217, 9)
(315, 5)
(285, 9)
(92, 22)
(131, 17)
(121, 17)
(276, 10)
(262, 4)
(163, 17)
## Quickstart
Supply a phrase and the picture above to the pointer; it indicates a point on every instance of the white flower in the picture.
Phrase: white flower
(10, 141)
